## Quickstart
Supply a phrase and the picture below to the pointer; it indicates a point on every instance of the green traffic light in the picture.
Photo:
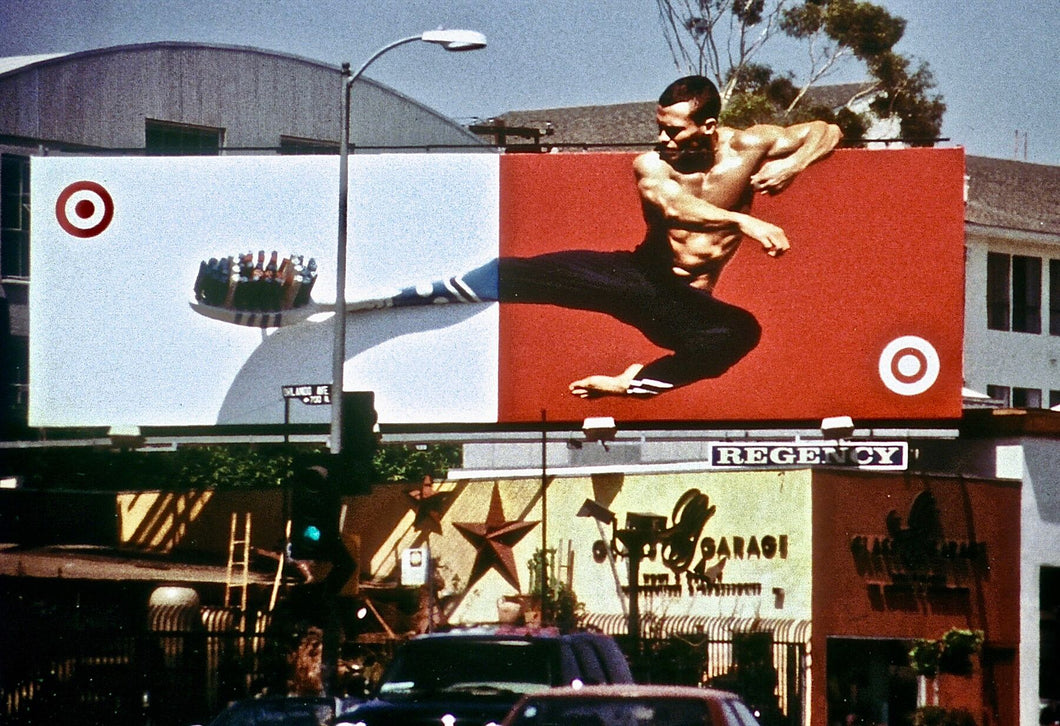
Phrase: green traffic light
(311, 533)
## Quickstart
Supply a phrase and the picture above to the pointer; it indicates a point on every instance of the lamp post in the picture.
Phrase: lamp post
(641, 538)
(451, 40)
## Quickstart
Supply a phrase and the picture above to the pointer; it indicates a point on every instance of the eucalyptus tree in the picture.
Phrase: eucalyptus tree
(725, 39)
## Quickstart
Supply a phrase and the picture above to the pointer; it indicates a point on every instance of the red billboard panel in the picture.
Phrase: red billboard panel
(863, 316)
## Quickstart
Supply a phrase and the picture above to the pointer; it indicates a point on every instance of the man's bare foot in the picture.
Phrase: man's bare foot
(600, 385)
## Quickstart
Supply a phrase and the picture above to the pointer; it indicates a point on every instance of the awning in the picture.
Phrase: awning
(784, 630)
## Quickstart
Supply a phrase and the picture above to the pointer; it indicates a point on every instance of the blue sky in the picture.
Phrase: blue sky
(997, 64)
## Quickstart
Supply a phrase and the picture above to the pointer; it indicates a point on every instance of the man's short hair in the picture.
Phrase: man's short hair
(700, 91)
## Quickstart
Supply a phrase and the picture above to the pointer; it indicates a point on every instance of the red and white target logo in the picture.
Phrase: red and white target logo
(84, 209)
(909, 365)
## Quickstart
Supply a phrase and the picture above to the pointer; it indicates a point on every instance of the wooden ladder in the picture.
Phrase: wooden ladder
(565, 563)
(237, 576)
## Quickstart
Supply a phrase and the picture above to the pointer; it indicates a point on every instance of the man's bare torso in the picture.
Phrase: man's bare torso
(701, 254)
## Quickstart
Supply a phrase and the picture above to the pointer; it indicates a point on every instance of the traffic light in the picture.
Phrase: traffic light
(314, 513)
(355, 466)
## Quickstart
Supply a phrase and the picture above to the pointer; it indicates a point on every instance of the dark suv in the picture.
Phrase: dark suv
(473, 677)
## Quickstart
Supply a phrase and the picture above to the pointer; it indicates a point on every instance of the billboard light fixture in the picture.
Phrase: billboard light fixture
(837, 427)
(599, 428)
(126, 437)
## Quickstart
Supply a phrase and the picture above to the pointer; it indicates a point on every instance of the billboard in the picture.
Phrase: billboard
(138, 315)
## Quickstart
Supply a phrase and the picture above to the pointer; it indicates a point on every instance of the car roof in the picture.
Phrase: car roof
(498, 631)
(633, 690)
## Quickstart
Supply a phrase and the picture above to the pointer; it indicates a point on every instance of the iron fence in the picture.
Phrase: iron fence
(170, 672)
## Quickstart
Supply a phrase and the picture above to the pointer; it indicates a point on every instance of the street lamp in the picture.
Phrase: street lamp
(641, 538)
(451, 40)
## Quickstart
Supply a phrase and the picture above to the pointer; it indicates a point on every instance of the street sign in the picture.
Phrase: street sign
(311, 394)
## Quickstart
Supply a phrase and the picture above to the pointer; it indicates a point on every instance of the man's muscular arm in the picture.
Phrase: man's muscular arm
(680, 209)
(788, 151)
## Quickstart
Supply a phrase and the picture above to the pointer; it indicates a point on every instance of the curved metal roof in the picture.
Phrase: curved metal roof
(12, 66)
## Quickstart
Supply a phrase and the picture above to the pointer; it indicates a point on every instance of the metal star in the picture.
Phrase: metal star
(493, 540)
(429, 504)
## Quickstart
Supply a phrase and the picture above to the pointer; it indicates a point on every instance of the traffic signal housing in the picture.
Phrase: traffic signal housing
(315, 509)
(355, 465)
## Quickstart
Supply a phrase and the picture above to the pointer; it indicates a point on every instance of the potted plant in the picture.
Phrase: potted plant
(924, 657)
(555, 603)
(958, 647)
(938, 716)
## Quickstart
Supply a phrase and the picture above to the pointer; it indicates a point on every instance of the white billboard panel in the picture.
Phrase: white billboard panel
(116, 249)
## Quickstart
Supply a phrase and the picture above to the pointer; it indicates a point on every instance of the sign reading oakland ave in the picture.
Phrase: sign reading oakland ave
(875, 455)
(310, 394)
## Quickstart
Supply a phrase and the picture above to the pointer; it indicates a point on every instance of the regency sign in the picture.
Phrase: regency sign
(872, 455)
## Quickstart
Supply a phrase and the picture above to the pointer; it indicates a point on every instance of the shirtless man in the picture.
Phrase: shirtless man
(695, 188)
(697, 182)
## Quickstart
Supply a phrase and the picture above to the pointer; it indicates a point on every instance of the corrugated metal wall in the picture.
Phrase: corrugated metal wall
(101, 98)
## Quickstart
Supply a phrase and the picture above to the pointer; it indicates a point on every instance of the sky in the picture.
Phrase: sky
(996, 64)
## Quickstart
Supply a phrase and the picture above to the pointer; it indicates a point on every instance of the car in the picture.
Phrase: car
(631, 705)
(281, 711)
(473, 676)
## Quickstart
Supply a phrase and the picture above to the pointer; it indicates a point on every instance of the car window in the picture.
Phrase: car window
(612, 659)
(615, 712)
(276, 713)
(592, 672)
(444, 664)
(740, 713)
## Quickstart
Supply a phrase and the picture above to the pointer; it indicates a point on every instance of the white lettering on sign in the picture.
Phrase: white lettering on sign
(308, 393)
(891, 455)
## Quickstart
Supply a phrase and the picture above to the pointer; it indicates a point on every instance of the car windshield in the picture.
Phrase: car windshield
(482, 667)
(614, 712)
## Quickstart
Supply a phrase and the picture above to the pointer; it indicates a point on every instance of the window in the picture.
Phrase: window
(1054, 399)
(1054, 297)
(14, 216)
(295, 145)
(1026, 398)
(1000, 393)
(14, 378)
(1014, 292)
(165, 138)
(997, 287)
(1049, 633)
(1027, 294)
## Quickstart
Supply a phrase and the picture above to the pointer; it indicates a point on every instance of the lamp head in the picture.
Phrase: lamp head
(455, 40)
(592, 508)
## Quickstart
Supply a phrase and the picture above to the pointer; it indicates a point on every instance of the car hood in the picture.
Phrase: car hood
(428, 711)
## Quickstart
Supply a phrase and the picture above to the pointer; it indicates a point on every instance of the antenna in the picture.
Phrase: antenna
(1016, 150)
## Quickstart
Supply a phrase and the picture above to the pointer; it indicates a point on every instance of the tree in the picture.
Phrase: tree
(722, 39)
(232, 466)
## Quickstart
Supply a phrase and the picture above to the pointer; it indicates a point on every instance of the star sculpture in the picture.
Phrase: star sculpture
(429, 504)
(493, 540)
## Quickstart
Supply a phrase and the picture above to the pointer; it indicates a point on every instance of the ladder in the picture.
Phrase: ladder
(238, 555)
(565, 563)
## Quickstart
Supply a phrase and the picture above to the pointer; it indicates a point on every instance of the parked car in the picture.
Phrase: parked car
(631, 705)
(281, 711)
(474, 676)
